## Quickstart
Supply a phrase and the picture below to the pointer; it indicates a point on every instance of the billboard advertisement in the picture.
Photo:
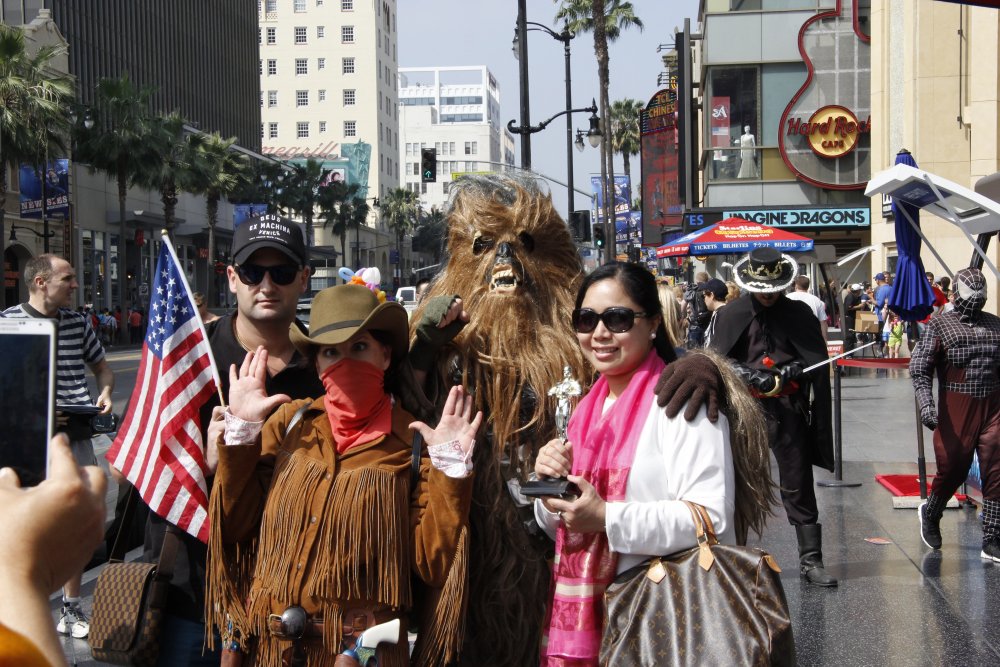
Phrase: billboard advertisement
(661, 202)
(56, 175)
(622, 198)
(243, 212)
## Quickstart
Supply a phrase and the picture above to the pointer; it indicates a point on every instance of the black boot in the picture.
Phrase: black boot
(811, 555)
(929, 514)
(991, 530)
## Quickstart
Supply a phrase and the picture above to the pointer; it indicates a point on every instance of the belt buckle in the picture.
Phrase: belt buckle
(293, 622)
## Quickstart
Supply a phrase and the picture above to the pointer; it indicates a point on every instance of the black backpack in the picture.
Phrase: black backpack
(700, 314)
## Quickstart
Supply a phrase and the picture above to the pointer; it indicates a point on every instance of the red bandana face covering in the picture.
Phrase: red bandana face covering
(356, 403)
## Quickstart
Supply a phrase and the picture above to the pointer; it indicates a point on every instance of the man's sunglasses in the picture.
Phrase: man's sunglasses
(252, 274)
(616, 319)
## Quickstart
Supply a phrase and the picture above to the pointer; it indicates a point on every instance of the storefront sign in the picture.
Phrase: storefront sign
(327, 150)
(720, 122)
(805, 217)
(831, 131)
(661, 204)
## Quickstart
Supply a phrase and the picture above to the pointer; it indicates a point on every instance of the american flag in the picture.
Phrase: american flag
(159, 445)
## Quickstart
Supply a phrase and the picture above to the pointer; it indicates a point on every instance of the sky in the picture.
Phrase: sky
(448, 33)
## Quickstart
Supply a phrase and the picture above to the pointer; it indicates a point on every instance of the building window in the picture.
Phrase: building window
(272, 98)
(260, 67)
(301, 98)
(470, 147)
(259, 40)
(319, 3)
(272, 67)
(262, 104)
(270, 6)
(347, 34)
(322, 126)
(262, 130)
(301, 66)
(321, 63)
(470, 166)
(300, 35)
(350, 128)
(349, 97)
(300, 5)
(320, 32)
(321, 95)
(272, 35)
(347, 65)
(302, 130)
(347, 5)
(272, 130)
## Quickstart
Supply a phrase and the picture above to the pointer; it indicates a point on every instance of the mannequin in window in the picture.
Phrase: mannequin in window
(748, 155)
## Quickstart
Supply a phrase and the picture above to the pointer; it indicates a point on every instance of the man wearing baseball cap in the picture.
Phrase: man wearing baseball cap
(268, 275)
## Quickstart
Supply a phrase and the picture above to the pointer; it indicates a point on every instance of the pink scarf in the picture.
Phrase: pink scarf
(603, 450)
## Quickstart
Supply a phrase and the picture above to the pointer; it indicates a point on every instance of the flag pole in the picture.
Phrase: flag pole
(197, 315)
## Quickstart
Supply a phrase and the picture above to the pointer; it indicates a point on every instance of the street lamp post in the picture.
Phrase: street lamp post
(565, 36)
(522, 57)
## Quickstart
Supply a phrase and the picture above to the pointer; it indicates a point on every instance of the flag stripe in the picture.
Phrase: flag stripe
(159, 446)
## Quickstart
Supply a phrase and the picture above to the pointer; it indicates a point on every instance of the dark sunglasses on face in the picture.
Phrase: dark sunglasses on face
(616, 319)
(252, 274)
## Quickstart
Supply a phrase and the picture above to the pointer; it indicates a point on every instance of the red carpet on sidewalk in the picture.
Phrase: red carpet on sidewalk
(908, 485)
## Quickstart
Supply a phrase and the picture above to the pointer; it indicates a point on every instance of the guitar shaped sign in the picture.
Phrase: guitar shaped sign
(825, 132)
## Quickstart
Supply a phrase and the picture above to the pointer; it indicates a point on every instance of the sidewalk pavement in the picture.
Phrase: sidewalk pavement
(898, 603)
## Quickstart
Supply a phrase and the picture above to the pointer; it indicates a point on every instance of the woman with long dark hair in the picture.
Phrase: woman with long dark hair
(633, 465)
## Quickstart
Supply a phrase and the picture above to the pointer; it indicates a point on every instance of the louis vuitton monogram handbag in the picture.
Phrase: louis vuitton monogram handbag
(712, 604)
(129, 603)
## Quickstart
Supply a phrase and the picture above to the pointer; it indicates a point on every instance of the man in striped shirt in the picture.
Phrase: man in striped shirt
(51, 282)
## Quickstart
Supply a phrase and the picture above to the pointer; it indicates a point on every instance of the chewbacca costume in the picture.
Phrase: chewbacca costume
(513, 262)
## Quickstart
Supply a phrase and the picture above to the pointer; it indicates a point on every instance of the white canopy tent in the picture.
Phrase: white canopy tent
(971, 212)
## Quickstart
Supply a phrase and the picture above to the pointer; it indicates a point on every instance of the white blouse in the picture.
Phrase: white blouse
(675, 460)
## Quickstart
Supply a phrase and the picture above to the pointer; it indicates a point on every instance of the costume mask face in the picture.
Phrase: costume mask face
(971, 287)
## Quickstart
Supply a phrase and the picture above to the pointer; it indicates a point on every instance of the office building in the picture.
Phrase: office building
(456, 111)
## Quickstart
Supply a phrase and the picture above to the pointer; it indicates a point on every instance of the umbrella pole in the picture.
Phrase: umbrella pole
(838, 440)
(921, 462)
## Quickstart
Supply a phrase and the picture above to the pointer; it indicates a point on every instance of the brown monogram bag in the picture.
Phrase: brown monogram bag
(129, 602)
(713, 604)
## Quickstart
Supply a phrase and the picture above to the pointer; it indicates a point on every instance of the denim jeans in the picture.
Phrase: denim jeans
(181, 644)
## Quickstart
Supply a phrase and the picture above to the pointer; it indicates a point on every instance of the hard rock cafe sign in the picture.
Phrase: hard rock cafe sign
(832, 131)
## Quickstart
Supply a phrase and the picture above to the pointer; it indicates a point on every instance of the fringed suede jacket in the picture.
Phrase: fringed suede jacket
(294, 522)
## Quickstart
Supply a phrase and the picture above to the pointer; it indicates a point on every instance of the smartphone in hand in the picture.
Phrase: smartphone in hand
(27, 395)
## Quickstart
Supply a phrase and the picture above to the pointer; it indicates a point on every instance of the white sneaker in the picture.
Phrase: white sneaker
(73, 621)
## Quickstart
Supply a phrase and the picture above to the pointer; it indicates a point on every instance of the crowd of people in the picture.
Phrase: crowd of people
(343, 483)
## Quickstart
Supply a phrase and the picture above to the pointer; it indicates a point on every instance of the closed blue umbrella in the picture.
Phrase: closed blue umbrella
(912, 297)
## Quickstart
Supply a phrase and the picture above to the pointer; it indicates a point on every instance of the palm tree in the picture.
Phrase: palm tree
(400, 210)
(430, 234)
(32, 94)
(115, 146)
(301, 187)
(625, 135)
(173, 154)
(218, 171)
(606, 19)
(340, 209)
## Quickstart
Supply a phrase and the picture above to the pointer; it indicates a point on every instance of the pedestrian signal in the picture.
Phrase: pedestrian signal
(428, 165)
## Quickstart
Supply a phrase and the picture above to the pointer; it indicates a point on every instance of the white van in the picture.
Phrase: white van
(407, 296)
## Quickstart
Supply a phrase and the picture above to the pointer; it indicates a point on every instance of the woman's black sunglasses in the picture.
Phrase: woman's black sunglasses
(252, 274)
(616, 319)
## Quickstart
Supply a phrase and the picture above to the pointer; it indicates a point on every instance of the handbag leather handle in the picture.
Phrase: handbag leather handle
(706, 534)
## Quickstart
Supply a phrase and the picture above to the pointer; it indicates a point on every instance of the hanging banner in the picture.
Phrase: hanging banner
(661, 203)
(56, 174)
(622, 198)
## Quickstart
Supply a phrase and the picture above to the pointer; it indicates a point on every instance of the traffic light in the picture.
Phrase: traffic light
(428, 165)
(580, 223)
(599, 236)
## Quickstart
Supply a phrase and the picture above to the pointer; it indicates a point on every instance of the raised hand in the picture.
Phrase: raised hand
(456, 422)
(248, 397)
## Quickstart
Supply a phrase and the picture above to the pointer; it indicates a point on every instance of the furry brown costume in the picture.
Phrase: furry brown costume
(514, 263)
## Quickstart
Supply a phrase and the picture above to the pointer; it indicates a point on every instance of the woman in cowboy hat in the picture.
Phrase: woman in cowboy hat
(328, 509)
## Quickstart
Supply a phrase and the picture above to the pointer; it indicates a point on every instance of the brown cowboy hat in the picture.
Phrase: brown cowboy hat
(340, 312)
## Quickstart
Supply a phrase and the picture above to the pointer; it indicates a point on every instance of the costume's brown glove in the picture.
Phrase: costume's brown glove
(693, 380)
(429, 337)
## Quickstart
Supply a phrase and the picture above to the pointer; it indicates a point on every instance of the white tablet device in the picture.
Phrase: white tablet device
(27, 395)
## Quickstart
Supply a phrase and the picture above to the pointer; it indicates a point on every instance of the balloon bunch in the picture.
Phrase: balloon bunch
(370, 278)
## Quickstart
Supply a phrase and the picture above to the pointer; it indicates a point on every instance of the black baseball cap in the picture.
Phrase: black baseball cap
(269, 231)
(718, 288)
